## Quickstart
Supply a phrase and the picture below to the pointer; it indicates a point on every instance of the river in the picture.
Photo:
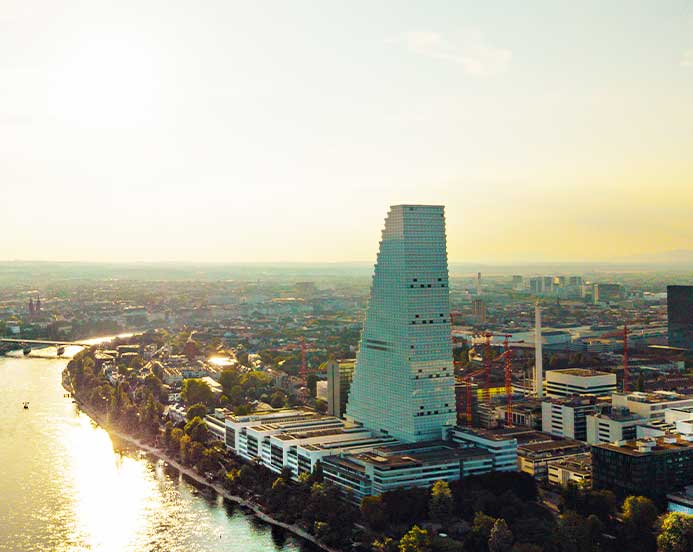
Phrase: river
(67, 486)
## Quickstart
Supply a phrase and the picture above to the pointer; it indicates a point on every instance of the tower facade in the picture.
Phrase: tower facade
(403, 382)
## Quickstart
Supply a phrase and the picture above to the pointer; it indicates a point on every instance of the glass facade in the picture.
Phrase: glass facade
(403, 382)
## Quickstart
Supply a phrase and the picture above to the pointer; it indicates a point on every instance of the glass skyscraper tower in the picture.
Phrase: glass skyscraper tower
(403, 382)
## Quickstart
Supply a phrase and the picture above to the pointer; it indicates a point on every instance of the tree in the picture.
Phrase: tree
(501, 538)
(197, 391)
(197, 429)
(373, 512)
(176, 436)
(386, 544)
(415, 540)
(196, 410)
(228, 379)
(278, 399)
(482, 526)
(441, 505)
(639, 513)
(676, 533)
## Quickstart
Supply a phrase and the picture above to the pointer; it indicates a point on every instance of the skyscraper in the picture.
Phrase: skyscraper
(403, 382)
(680, 316)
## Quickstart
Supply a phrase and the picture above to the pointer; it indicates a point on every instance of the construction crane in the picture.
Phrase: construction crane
(625, 332)
(507, 358)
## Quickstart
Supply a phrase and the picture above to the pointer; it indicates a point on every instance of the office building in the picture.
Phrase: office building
(534, 457)
(612, 425)
(339, 376)
(501, 444)
(391, 467)
(579, 381)
(567, 417)
(651, 466)
(680, 316)
(403, 382)
(651, 406)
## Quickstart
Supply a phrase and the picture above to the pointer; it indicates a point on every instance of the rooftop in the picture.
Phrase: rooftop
(671, 442)
(579, 372)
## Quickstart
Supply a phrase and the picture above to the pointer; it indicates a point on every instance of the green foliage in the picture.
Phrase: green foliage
(440, 506)
(373, 512)
(278, 399)
(197, 391)
(602, 503)
(500, 538)
(639, 513)
(385, 544)
(197, 430)
(198, 410)
(405, 506)
(675, 533)
(415, 540)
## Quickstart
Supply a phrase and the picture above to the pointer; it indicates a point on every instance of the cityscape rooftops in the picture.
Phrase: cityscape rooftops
(652, 445)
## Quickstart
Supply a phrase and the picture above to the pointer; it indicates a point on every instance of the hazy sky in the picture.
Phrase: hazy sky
(282, 131)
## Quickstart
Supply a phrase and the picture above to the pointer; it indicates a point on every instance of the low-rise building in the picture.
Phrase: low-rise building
(533, 458)
(651, 405)
(579, 381)
(650, 466)
(501, 444)
(575, 470)
(403, 465)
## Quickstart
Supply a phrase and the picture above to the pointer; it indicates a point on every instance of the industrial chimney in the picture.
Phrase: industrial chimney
(478, 283)
(538, 360)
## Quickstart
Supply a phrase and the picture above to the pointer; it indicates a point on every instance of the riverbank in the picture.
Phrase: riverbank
(191, 473)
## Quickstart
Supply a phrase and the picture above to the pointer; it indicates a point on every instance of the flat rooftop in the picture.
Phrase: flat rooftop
(579, 372)
(662, 445)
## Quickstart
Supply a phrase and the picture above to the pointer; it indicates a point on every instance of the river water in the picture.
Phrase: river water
(67, 486)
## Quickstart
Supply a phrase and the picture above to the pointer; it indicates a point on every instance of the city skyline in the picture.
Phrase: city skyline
(155, 133)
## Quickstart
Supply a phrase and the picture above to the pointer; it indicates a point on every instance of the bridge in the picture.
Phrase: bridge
(49, 342)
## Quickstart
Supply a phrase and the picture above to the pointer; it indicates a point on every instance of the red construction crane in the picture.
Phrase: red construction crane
(507, 357)
(625, 332)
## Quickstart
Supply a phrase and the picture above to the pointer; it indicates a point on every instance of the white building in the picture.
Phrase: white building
(616, 424)
(567, 417)
(499, 443)
(579, 381)
(651, 406)
(403, 380)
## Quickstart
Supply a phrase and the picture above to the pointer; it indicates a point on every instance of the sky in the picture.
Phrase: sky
(270, 131)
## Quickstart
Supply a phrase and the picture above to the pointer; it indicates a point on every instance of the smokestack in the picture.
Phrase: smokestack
(538, 360)
(478, 283)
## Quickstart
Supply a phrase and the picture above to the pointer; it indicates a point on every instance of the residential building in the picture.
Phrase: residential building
(579, 381)
(403, 382)
(650, 466)
(566, 417)
(680, 316)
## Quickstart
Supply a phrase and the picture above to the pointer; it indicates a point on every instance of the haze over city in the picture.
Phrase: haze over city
(281, 131)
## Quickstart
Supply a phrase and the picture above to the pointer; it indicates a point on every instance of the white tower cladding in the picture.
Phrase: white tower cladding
(403, 381)
(538, 354)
